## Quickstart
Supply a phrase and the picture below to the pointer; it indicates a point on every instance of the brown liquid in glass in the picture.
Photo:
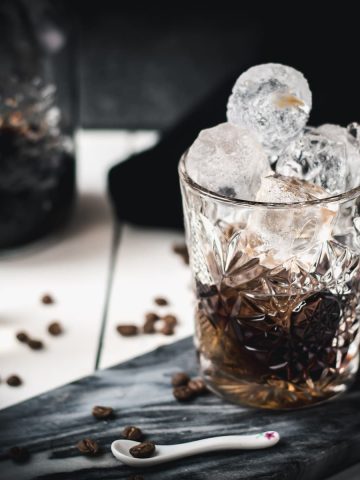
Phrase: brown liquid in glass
(276, 351)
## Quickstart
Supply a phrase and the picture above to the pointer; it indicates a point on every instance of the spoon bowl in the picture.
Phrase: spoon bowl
(167, 453)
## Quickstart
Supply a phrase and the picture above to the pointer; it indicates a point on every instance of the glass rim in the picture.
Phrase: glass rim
(340, 197)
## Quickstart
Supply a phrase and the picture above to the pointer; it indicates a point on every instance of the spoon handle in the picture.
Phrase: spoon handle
(229, 442)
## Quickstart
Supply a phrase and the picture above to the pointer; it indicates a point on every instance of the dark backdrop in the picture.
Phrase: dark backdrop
(143, 65)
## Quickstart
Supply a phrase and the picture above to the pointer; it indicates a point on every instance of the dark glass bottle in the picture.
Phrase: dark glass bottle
(37, 120)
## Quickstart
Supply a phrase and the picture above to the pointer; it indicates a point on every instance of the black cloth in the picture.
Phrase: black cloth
(145, 188)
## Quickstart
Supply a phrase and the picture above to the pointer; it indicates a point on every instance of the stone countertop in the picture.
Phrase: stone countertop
(315, 442)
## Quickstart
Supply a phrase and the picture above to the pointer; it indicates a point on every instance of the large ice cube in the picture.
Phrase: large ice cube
(353, 133)
(273, 101)
(283, 233)
(319, 156)
(280, 189)
(228, 160)
(350, 137)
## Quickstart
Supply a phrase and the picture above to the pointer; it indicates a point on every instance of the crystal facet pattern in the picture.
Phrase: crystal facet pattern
(277, 325)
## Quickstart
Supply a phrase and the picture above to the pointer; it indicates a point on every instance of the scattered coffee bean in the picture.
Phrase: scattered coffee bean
(151, 317)
(149, 327)
(19, 454)
(102, 412)
(47, 299)
(179, 379)
(162, 302)
(197, 385)
(182, 251)
(143, 450)
(22, 337)
(136, 477)
(167, 329)
(150, 320)
(88, 447)
(55, 328)
(127, 330)
(35, 344)
(14, 381)
(183, 393)
(132, 433)
(170, 320)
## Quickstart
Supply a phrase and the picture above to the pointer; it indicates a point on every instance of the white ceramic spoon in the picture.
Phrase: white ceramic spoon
(167, 453)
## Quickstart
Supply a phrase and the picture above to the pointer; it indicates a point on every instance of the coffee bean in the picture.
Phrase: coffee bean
(102, 412)
(143, 450)
(22, 337)
(132, 433)
(167, 329)
(162, 302)
(149, 327)
(151, 317)
(183, 393)
(55, 328)
(197, 385)
(35, 344)
(182, 251)
(19, 454)
(136, 477)
(179, 379)
(14, 381)
(127, 330)
(47, 299)
(88, 447)
(170, 320)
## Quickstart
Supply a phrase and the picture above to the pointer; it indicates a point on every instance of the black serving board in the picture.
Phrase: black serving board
(316, 442)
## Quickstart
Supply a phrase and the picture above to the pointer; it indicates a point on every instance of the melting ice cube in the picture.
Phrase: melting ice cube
(273, 101)
(319, 156)
(228, 160)
(283, 233)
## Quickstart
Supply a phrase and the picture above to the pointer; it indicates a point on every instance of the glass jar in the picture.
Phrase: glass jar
(37, 122)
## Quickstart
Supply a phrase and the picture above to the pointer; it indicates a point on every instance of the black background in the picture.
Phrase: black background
(146, 65)
(170, 67)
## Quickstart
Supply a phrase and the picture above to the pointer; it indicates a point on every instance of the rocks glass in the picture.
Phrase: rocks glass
(277, 290)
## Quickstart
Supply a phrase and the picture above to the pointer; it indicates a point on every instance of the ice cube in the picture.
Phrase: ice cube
(350, 137)
(333, 131)
(353, 133)
(318, 156)
(284, 233)
(228, 160)
(280, 189)
(353, 146)
(273, 101)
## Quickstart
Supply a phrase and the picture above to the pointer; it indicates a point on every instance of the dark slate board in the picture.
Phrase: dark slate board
(315, 442)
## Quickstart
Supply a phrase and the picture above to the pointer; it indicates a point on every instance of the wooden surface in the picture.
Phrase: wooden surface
(75, 266)
(315, 442)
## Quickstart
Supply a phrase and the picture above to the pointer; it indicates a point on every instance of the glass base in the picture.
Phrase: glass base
(274, 393)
